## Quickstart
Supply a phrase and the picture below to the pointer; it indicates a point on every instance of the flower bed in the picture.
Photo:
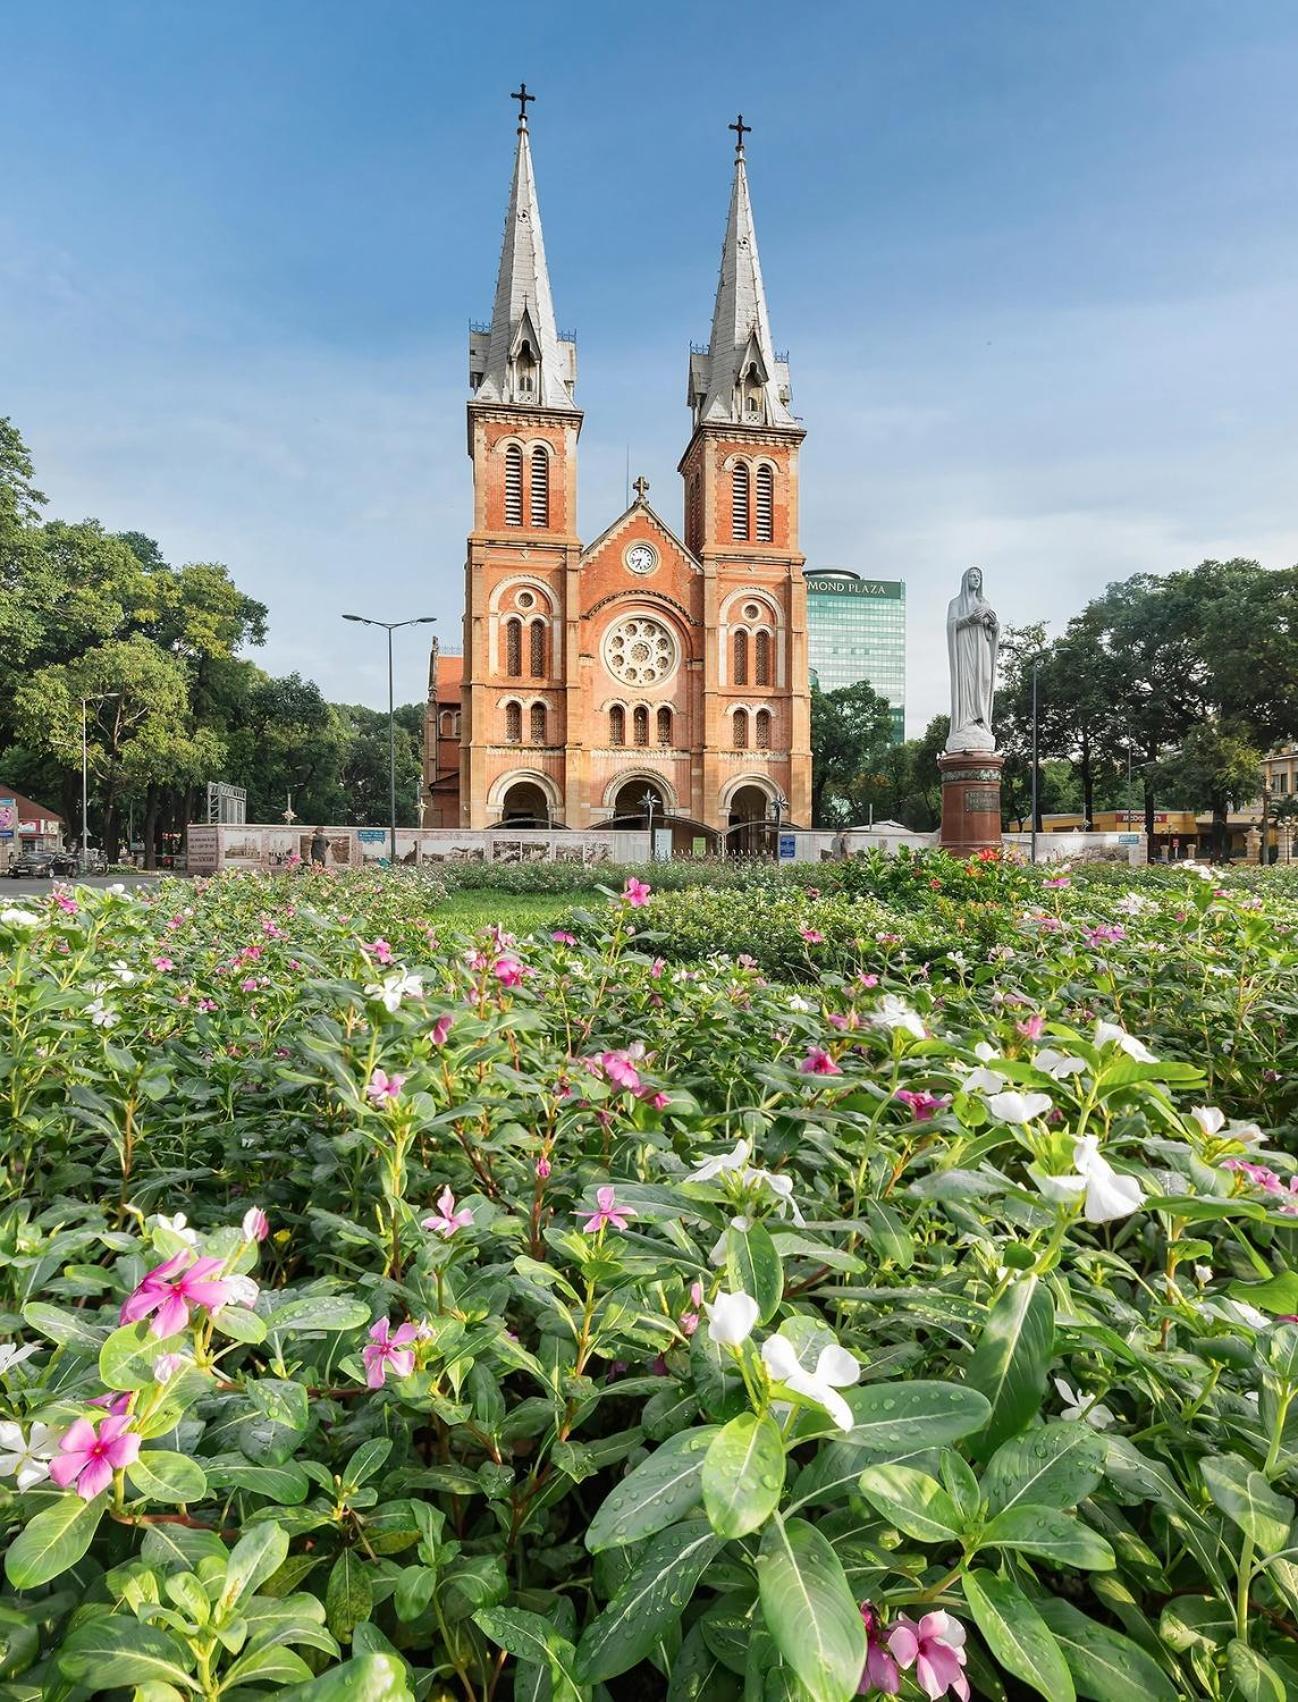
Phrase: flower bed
(400, 1315)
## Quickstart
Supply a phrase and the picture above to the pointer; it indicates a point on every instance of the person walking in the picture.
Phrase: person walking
(319, 846)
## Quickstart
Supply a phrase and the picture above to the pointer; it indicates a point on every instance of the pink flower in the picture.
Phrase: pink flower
(935, 1648)
(607, 1212)
(1058, 881)
(1106, 934)
(562, 937)
(819, 1063)
(510, 972)
(499, 938)
(880, 1670)
(636, 892)
(250, 985)
(446, 1220)
(689, 1321)
(66, 903)
(166, 1365)
(921, 1105)
(656, 968)
(208, 1005)
(172, 1289)
(812, 936)
(441, 1028)
(383, 1088)
(1033, 1028)
(388, 1353)
(163, 963)
(619, 1069)
(379, 950)
(542, 1169)
(660, 1100)
(868, 980)
(256, 1225)
(112, 1403)
(88, 1458)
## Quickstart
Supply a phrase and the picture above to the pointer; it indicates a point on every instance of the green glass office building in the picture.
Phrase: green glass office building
(856, 630)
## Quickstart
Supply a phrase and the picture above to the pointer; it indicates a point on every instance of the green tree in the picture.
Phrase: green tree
(20, 501)
(851, 729)
(1216, 768)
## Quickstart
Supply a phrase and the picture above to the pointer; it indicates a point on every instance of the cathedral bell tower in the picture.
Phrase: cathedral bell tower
(521, 575)
(741, 522)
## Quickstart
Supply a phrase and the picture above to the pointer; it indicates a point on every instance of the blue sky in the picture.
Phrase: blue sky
(1036, 267)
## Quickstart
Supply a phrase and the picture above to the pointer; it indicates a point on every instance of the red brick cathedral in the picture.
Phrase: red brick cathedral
(650, 660)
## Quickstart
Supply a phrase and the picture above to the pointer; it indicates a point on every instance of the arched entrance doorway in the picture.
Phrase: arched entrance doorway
(630, 808)
(751, 824)
(525, 805)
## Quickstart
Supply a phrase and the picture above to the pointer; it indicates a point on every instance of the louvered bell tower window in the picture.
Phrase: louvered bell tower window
(739, 502)
(540, 488)
(764, 504)
(513, 486)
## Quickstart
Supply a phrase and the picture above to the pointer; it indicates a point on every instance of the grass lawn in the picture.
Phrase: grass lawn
(520, 913)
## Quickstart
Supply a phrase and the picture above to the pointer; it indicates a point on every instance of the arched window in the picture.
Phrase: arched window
(762, 659)
(664, 726)
(540, 487)
(741, 658)
(739, 501)
(514, 649)
(536, 640)
(537, 724)
(445, 721)
(764, 504)
(617, 725)
(513, 723)
(741, 729)
(763, 729)
(455, 725)
(641, 724)
(513, 485)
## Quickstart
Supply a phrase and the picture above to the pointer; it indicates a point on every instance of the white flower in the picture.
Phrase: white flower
(124, 974)
(1078, 1406)
(28, 1461)
(1059, 1190)
(1108, 1194)
(835, 1369)
(1203, 1275)
(958, 958)
(1247, 1134)
(102, 1015)
(798, 1003)
(1113, 1032)
(985, 1052)
(13, 917)
(12, 1354)
(1058, 1064)
(1134, 904)
(983, 1080)
(782, 1188)
(711, 1167)
(243, 1291)
(1246, 1314)
(731, 1318)
(1014, 1107)
(395, 987)
(894, 1012)
(179, 1227)
(1209, 1119)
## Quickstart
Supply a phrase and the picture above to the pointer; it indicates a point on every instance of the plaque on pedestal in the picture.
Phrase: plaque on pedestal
(971, 801)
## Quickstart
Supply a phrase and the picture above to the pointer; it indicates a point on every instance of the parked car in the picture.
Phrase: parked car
(42, 865)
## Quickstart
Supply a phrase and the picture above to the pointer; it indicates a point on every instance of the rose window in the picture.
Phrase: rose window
(640, 651)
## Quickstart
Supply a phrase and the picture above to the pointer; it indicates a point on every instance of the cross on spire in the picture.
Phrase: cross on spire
(641, 488)
(741, 130)
(521, 95)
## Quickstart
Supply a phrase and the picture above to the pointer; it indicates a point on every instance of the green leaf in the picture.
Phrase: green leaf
(1277, 1294)
(1106, 1666)
(1246, 1498)
(368, 1459)
(1057, 1465)
(743, 1474)
(349, 1595)
(889, 1236)
(116, 1649)
(273, 1665)
(902, 1417)
(53, 1540)
(661, 1490)
(258, 1554)
(68, 1329)
(651, 1598)
(127, 1358)
(1196, 1622)
(287, 1484)
(1255, 1680)
(1055, 1536)
(913, 1501)
(810, 1610)
(1017, 1635)
(528, 1637)
(699, 1675)
(163, 1476)
(239, 1324)
(318, 1312)
(753, 1265)
(366, 1678)
(1010, 1361)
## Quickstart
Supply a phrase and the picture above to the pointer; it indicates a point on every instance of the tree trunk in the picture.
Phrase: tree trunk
(1085, 770)
(150, 832)
(1149, 815)
(1220, 829)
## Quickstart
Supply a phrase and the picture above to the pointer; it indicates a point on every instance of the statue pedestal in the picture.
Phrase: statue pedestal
(971, 801)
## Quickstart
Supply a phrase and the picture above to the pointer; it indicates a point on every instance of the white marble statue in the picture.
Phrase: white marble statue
(972, 640)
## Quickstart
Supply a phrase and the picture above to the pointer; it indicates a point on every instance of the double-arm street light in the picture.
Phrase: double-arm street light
(94, 697)
(390, 627)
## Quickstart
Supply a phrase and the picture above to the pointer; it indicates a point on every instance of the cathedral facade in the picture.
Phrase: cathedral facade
(654, 668)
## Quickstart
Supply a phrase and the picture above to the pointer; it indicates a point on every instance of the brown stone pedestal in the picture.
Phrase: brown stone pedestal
(971, 801)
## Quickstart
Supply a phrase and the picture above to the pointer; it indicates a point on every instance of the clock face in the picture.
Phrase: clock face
(642, 558)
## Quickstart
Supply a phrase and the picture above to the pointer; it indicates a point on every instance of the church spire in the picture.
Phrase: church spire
(520, 357)
(738, 379)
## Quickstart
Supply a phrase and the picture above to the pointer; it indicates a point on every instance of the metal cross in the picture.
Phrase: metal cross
(641, 488)
(521, 95)
(741, 130)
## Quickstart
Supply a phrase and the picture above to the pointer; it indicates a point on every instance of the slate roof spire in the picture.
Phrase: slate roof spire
(520, 357)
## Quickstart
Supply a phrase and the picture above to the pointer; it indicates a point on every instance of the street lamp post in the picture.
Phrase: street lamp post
(390, 627)
(95, 697)
(779, 803)
(650, 803)
(1036, 664)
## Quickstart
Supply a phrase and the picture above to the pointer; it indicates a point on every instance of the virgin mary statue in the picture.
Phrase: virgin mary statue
(972, 640)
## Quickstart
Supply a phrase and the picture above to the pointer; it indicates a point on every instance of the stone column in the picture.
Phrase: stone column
(971, 801)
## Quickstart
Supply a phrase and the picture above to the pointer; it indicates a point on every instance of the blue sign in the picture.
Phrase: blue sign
(371, 835)
(788, 847)
(1130, 838)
